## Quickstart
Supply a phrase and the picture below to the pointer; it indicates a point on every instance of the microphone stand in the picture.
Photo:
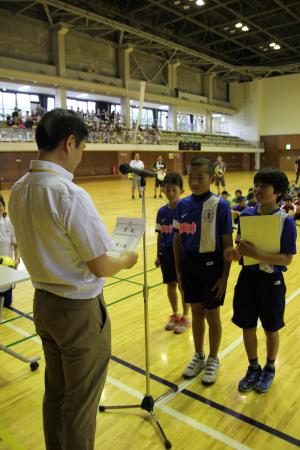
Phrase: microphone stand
(148, 402)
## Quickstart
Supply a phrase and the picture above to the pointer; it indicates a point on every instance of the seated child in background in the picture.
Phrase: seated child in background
(288, 206)
(238, 193)
(251, 200)
(237, 209)
(225, 195)
(172, 188)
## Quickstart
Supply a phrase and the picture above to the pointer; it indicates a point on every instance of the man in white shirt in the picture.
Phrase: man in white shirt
(63, 243)
(136, 179)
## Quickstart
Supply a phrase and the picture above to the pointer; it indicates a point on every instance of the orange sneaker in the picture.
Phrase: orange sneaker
(173, 320)
(182, 325)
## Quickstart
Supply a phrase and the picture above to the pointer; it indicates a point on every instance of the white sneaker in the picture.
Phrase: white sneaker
(209, 375)
(182, 325)
(173, 320)
(194, 367)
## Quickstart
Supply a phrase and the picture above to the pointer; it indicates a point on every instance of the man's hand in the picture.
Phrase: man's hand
(129, 259)
(220, 287)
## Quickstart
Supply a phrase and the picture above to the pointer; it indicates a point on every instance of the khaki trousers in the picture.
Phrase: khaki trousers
(76, 339)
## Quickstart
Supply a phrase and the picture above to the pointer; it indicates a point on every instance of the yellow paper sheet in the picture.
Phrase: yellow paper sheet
(263, 232)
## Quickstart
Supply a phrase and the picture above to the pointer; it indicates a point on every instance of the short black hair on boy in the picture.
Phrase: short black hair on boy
(173, 178)
(57, 125)
(238, 191)
(274, 177)
(199, 161)
(250, 196)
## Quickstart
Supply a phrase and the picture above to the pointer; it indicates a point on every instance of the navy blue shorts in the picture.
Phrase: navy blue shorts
(167, 264)
(259, 295)
(199, 272)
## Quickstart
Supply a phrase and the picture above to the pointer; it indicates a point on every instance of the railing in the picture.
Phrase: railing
(12, 134)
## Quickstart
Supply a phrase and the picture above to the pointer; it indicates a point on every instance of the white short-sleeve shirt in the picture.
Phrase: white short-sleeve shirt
(7, 237)
(58, 229)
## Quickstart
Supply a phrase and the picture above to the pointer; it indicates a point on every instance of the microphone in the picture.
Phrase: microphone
(126, 168)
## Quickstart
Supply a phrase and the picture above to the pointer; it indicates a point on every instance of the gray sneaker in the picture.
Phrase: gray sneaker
(194, 367)
(209, 375)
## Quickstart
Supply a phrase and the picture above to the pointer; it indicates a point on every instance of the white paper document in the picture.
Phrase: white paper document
(263, 232)
(127, 234)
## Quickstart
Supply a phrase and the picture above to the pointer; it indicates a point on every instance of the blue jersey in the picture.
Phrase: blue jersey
(201, 221)
(287, 239)
(164, 225)
(239, 208)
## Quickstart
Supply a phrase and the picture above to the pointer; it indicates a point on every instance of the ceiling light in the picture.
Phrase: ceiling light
(232, 31)
(177, 2)
(272, 44)
(245, 28)
(238, 25)
(200, 2)
(277, 47)
(186, 7)
(226, 28)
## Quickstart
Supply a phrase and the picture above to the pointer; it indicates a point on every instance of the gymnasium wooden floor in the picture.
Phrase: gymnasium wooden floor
(194, 417)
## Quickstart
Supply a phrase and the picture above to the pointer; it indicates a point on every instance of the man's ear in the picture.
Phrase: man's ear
(70, 142)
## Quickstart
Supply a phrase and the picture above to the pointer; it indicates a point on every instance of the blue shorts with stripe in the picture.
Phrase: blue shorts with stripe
(199, 273)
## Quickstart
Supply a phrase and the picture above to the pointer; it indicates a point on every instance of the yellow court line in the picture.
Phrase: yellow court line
(10, 440)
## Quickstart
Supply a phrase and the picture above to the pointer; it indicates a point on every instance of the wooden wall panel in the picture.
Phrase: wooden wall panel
(275, 153)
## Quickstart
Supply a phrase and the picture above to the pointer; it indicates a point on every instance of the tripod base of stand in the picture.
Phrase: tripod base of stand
(147, 404)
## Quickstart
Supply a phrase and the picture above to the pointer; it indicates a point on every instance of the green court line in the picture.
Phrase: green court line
(10, 440)
(21, 340)
(111, 284)
(136, 275)
(155, 285)
(129, 281)
(124, 298)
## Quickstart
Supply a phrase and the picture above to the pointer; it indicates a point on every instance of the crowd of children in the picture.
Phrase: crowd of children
(195, 251)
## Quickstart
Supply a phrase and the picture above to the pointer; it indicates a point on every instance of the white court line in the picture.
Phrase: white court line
(24, 333)
(183, 418)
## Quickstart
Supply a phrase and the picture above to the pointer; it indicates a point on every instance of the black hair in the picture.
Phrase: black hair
(57, 125)
(173, 178)
(250, 196)
(224, 193)
(199, 162)
(273, 177)
(3, 204)
(239, 191)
